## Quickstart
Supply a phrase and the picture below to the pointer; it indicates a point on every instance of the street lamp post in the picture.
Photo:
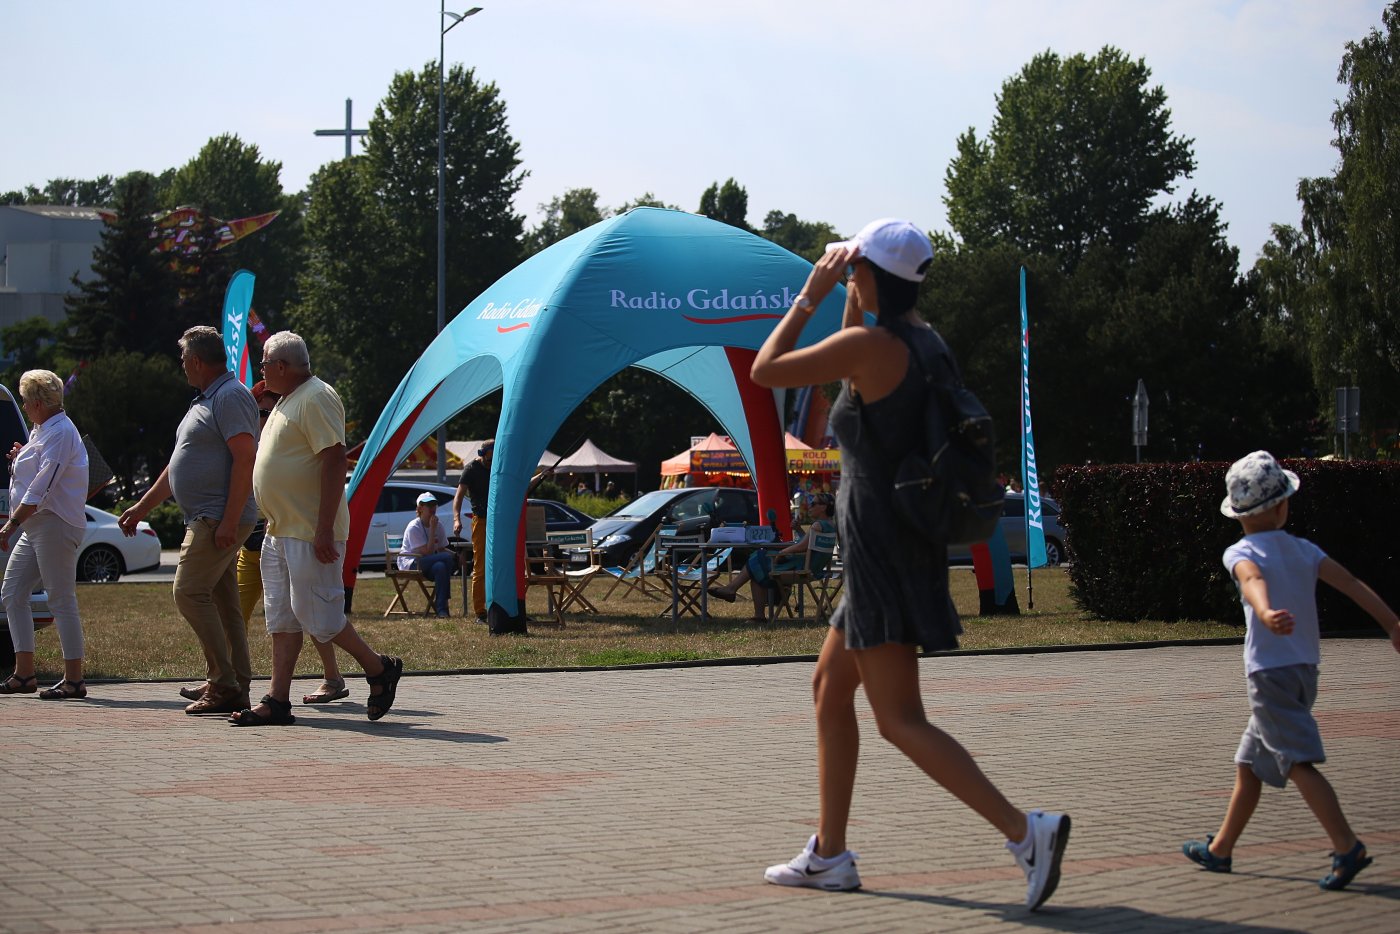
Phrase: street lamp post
(442, 207)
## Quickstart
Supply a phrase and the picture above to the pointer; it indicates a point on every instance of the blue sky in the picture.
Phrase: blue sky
(833, 111)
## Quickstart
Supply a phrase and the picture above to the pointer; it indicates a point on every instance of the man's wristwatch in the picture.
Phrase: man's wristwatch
(804, 304)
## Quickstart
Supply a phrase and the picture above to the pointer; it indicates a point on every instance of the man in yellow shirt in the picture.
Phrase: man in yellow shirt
(299, 484)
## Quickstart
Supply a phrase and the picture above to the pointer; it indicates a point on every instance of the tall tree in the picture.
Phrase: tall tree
(131, 403)
(130, 303)
(564, 216)
(229, 179)
(360, 340)
(1118, 290)
(1078, 150)
(1333, 284)
(728, 203)
(807, 239)
(483, 175)
(369, 293)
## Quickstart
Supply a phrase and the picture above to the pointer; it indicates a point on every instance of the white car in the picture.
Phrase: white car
(107, 554)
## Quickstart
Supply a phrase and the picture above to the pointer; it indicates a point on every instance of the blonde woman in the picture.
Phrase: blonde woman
(48, 487)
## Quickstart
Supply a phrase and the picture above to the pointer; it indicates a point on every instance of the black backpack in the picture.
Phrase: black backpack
(947, 489)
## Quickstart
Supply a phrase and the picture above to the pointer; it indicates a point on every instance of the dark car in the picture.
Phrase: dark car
(1013, 526)
(693, 510)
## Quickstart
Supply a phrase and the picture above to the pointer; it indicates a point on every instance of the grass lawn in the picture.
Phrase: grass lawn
(133, 631)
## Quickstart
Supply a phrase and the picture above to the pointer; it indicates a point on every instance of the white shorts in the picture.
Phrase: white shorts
(300, 593)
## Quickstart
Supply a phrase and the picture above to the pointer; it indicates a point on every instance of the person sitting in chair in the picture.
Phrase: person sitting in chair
(758, 571)
(425, 550)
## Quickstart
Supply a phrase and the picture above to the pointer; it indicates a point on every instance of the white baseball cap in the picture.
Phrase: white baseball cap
(896, 246)
(426, 499)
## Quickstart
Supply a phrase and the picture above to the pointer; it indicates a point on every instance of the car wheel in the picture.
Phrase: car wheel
(1054, 552)
(100, 564)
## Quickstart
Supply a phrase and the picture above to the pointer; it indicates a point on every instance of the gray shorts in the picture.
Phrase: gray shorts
(1282, 732)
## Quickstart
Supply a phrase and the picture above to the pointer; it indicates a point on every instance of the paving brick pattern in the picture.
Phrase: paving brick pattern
(652, 801)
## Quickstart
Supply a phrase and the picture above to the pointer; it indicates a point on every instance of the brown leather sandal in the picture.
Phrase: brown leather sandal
(17, 684)
(65, 690)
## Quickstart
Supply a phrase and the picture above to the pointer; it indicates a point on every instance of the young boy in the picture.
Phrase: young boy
(1277, 576)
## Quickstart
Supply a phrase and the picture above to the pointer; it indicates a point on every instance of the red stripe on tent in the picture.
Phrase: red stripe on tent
(982, 567)
(367, 495)
(766, 433)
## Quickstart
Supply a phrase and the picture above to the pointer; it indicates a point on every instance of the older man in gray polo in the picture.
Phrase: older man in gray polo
(210, 474)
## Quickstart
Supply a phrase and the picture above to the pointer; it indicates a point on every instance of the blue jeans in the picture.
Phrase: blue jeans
(439, 567)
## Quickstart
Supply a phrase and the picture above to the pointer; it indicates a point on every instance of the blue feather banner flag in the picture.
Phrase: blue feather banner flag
(1030, 476)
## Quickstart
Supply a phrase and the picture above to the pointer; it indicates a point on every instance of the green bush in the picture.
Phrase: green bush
(1146, 540)
(592, 504)
(165, 519)
(549, 489)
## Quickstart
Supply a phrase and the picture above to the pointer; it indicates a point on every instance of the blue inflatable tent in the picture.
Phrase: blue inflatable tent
(683, 296)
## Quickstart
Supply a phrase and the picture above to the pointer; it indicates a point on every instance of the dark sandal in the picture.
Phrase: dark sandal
(1345, 866)
(26, 685)
(1200, 854)
(281, 714)
(65, 690)
(328, 693)
(388, 683)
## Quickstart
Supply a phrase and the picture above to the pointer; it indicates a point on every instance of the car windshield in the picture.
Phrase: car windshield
(644, 505)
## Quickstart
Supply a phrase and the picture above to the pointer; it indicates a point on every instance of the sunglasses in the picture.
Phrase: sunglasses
(268, 363)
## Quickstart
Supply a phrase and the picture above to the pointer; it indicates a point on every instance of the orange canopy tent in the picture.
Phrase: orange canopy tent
(679, 465)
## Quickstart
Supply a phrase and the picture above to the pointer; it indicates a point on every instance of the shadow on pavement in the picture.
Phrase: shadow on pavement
(178, 704)
(354, 721)
(1099, 917)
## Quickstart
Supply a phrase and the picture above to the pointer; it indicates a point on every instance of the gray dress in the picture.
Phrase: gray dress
(896, 584)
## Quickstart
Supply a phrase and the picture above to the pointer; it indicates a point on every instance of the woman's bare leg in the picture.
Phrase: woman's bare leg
(834, 686)
(890, 674)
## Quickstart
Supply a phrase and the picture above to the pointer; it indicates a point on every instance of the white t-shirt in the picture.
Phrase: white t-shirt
(415, 537)
(1289, 566)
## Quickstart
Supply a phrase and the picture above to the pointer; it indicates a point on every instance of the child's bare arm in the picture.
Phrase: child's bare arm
(1363, 596)
(1256, 593)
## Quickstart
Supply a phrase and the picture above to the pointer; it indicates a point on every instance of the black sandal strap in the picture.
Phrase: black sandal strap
(283, 707)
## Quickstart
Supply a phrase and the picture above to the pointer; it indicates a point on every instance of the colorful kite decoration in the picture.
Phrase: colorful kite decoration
(175, 230)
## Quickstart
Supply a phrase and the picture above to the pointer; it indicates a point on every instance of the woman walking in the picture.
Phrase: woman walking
(48, 486)
(896, 583)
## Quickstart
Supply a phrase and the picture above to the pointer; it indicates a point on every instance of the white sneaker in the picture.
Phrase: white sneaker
(1048, 834)
(837, 875)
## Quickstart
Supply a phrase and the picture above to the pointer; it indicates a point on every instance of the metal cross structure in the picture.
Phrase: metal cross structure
(348, 133)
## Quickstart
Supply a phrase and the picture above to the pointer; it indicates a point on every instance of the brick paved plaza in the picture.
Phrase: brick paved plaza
(652, 801)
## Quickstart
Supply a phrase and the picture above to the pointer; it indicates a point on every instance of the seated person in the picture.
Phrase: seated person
(425, 550)
(759, 570)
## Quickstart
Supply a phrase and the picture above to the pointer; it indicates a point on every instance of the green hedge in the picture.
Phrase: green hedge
(1146, 540)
